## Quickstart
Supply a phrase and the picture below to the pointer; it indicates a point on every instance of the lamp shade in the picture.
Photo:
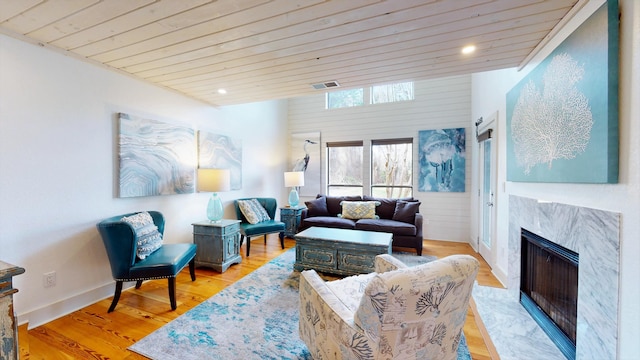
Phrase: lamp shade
(214, 180)
(294, 178)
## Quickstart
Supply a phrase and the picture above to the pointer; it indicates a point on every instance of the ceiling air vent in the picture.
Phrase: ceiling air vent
(325, 85)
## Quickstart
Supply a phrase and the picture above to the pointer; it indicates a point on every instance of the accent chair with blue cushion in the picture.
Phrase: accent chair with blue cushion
(255, 224)
(397, 312)
(136, 252)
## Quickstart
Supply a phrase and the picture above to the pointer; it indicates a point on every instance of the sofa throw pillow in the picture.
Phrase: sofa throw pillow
(406, 211)
(253, 211)
(359, 210)
(317, 207)
(148, 237)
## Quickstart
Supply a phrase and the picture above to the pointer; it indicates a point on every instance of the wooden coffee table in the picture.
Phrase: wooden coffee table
(340, 251)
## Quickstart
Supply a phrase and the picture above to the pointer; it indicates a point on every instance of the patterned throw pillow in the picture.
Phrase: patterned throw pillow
(359, 210)
(148, 237)
(253, 211)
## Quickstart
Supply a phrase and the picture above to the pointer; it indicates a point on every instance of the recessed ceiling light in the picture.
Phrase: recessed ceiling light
(468, 49)
(222, 91)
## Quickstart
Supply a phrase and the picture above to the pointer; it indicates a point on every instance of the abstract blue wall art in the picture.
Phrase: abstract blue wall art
(442, 160)
(217, 151)
(562, 118)
(155, 158)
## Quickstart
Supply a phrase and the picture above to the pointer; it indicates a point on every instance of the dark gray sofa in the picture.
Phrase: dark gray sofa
(400, 217)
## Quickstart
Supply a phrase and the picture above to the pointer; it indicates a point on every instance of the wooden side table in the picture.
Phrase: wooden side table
(218, 243)
(290, 216)
(8, 326)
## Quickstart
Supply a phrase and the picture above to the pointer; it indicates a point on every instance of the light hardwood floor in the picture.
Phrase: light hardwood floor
(92, 333)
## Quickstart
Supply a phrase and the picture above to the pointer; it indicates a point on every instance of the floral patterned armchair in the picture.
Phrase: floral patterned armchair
(398, 312)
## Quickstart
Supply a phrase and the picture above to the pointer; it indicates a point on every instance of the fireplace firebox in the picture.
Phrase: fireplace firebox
(549, 289)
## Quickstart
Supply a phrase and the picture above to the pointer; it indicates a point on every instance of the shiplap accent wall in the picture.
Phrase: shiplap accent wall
(439, 103)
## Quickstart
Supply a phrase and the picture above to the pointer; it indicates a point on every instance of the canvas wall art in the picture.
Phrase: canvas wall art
(562, 118)
(441, 155)
(305, 156)
(221, 152)
(155, 158)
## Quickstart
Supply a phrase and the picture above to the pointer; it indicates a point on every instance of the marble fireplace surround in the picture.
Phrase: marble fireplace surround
(595, 236)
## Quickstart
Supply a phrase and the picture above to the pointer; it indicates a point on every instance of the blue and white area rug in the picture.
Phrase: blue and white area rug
(254, 318)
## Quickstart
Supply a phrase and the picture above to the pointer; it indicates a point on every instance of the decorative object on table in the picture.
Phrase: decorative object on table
(123, 234)
(562, 118)
(441, 156)
(214, 180)
(218, 243)
(221, 152)
(155, 158)
(305, 157)
(253, 318)
(8, 324)
(294, 179)
(418, 312)
(291, 216)
(254, 221)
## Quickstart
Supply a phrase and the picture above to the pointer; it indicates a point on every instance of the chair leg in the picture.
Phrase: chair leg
(172, 292)
(281, 236)
(265, 239)
(116, 296)
(248, 245)
(138, 284)
(192, 269)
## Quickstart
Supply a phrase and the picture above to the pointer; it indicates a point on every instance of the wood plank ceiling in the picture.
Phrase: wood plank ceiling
(270, 49)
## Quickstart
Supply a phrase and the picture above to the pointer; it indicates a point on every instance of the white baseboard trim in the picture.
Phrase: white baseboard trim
(52, 311)
(500, 275)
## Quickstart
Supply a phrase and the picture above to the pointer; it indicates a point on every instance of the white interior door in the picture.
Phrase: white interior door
(487, 182)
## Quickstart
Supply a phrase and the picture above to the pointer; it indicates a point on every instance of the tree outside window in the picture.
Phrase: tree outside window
(344, 168)
(392, 168)
(345, 98)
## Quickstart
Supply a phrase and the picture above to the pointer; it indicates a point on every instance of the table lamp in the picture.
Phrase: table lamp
(294, 179)
(214, 180)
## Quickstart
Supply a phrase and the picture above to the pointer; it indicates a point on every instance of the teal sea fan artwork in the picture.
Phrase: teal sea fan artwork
(442, 160)
(552, 122)
(562, 117)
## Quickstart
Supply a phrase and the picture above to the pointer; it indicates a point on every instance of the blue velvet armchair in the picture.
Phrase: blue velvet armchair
(271, 226)
(120, 241)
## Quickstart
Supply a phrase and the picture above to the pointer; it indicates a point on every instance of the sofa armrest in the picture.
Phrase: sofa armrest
(325, 322)
(418, 224)
(386, 262)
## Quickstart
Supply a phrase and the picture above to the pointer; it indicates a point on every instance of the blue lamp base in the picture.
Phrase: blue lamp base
(294, 199)
(215, 211)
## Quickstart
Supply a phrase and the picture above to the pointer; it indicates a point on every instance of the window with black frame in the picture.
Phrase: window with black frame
(392, 168)
(344, 168)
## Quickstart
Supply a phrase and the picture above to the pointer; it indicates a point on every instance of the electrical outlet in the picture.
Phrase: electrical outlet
(49, 279)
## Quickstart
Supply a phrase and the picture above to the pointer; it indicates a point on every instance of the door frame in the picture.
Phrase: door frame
(483, 126)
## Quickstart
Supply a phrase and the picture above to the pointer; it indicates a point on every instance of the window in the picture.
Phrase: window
(392, 92)
(345, 98)
(392, 168)
(344, 168)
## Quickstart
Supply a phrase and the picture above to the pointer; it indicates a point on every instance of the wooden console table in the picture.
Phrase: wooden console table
(218, 243)
(8, 326)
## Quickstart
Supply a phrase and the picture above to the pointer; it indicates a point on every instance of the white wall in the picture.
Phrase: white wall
(439, 104)
(58, 169)
(489, 94)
